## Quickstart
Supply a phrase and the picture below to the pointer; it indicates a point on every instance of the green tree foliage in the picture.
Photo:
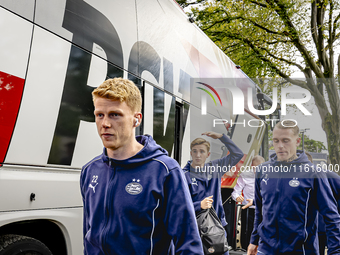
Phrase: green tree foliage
(311, 145)
(274, 38)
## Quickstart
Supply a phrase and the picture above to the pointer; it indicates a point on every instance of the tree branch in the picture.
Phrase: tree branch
(330, 62)
(277, 41)
(314, 30)
(336, 20)
(228, 19)
(282, 59)
(339, 70)
(334, 28)
(320, 22)
(264, 59)
(336, 37)
(309, 85)
(259, 4)
(263, 28)
(282, 12)
(184, 3)
(230, 47)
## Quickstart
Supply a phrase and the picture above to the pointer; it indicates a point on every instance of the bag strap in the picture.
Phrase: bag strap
(214, 214)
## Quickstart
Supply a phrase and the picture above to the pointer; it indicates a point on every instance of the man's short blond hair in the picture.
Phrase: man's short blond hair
(119, 89)
(199, 141)
(288, 124)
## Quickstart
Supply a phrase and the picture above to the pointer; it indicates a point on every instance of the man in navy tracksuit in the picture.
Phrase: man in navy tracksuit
(288, 195)
(334, 183)
(136, 200)
(204, 179)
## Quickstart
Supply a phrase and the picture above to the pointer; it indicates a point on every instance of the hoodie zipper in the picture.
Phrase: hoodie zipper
(278, 189)
(107, 208)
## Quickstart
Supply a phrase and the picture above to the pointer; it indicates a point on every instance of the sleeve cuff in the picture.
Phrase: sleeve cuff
(197, 206)
(254, 240)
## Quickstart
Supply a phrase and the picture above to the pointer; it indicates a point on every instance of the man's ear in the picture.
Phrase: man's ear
(138, 119)
(208, 153)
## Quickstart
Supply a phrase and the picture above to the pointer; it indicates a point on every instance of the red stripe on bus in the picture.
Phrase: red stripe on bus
(11, 88)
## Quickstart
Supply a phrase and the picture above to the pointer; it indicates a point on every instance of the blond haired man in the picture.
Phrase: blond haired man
(135, 197)
(288, 195)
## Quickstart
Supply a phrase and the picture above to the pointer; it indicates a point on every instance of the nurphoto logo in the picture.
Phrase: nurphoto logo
(241, 95)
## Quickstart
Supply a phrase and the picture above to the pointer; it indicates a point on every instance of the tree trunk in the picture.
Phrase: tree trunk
(333, 139)
(339, 70)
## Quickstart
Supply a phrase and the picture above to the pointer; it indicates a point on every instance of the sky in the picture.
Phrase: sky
(311, 122)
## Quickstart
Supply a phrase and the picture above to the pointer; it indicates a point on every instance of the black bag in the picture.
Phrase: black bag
(212, 232)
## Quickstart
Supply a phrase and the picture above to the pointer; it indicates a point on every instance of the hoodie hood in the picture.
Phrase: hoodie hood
(198, 175)
(301, 158)
(291, 169)
(150, 150)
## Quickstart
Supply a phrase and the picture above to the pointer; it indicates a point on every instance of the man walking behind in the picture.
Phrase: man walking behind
(288, 195)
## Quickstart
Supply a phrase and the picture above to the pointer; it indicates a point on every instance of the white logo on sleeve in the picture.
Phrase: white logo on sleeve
(134, 187)
(93, 187)
(194, 181)
(94, 183)
(265, 179)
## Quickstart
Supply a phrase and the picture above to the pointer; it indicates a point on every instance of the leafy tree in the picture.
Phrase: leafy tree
(311, 145)
(271, 38)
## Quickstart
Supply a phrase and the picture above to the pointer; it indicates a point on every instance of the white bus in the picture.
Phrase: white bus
(52, 55)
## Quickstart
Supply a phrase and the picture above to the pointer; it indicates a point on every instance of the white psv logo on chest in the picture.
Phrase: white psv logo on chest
(134, 187)
(294, 182)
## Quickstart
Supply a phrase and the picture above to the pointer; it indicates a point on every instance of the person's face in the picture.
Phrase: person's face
(285, 143)
(115, 123)
(199, 154)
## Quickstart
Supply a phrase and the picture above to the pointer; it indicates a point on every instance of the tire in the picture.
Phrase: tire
(22, 245)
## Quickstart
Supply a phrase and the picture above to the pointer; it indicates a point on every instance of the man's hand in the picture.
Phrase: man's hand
(250, 203)
(240, 199)
(207, 202)
(252, 249)
(212, 134)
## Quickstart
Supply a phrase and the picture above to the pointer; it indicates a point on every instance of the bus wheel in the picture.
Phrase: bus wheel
(22, 245)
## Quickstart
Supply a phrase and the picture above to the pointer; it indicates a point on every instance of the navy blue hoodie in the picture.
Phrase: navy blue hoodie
(207, 183)
(334, 182)
(138, 205)
(288, 196)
